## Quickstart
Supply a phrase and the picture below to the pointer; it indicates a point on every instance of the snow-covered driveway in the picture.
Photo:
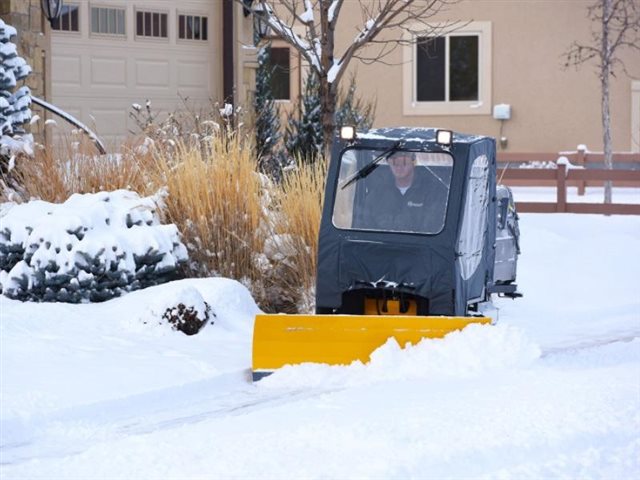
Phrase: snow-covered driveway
(90, 391)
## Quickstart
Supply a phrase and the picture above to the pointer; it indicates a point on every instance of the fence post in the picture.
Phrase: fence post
(561, 186)
(581, 160)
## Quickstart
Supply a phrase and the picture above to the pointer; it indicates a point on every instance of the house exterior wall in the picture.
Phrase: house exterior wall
(552, 108)
(98, 77)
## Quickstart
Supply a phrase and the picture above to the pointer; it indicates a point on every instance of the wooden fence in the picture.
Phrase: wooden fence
(590, 172)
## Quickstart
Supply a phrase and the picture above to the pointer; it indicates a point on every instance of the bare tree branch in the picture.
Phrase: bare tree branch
(310, 26)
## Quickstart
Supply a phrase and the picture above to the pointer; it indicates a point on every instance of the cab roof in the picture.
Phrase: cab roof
(414, 134)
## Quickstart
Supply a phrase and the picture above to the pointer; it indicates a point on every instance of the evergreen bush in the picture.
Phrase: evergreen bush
(304, 138)
(267, 123)
(14, 106)
(91, 248)
(353, 110)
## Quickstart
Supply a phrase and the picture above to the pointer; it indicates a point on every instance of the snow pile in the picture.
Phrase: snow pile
(90, 248)
(476, 350)
(185, 309)
(55, 356)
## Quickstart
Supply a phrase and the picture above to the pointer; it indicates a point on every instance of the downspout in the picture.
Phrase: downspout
(227, 52)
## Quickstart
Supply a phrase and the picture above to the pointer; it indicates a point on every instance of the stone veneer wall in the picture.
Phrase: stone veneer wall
(33, 44)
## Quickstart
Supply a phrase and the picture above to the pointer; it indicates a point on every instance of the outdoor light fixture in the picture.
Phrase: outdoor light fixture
(260, 25)
(444, 137)
(51, 9)
(348, 132)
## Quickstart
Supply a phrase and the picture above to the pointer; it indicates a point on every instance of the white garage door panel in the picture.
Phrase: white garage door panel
(66, 70)
(109, 117)
(152, 73)
(193, 75)
(110, 72)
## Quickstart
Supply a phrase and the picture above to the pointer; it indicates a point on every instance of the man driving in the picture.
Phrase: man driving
(401, 198)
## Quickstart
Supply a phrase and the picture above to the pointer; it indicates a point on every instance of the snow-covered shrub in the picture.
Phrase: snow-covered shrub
(92, 247)
(14, 106)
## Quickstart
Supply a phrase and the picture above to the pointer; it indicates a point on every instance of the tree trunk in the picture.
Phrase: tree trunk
(328, 99)
(605, 75)
(328, 91)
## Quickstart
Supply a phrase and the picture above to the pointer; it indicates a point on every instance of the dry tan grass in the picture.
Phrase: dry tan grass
(299, 201)
(74, 167)
(214, 199)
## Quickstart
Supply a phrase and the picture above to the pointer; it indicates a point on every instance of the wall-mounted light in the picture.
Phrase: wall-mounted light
(51, 9)
(260, 25)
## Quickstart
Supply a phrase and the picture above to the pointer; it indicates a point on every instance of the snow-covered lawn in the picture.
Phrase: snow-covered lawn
(553, 391)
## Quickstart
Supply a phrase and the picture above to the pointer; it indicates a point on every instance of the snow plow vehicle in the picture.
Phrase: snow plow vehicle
(415, 239)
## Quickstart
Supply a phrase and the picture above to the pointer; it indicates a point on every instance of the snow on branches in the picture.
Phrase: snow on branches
(14, 106)
(92, 247)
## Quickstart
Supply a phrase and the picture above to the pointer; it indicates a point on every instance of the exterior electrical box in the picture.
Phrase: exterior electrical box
(502, 111)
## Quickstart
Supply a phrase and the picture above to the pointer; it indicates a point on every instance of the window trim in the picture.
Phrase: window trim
(482, 106)
(193, 40)
(122, 8)
(144, 38)
(71, 32)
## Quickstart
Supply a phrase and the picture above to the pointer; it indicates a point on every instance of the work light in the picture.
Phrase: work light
(444, 137)
(348, 132)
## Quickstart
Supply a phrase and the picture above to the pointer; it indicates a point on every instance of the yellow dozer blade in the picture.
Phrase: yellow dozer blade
(280, 339)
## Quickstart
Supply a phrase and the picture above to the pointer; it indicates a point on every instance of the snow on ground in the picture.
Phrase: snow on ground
(551, 391)
(591, 195)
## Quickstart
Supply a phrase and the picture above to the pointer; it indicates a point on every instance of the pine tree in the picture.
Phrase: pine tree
(354, 110)
(14, 107)
(266, 111)
(304, 136)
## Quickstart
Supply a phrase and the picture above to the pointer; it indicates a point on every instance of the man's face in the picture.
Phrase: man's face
(401, 166)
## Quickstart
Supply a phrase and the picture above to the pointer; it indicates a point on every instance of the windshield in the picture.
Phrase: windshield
(407, 192)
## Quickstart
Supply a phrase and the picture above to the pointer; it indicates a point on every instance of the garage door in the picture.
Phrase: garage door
(105, 58)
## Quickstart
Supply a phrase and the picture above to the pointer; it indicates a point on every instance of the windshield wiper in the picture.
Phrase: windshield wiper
(371, 166)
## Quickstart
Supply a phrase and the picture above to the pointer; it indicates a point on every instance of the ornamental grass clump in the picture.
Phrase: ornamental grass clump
(294, 240)
(73, 166)
(215, 197)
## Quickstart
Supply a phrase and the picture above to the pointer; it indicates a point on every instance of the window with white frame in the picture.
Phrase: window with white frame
(192, 27)
(68, 20)
(447, 68)
(449, 74)
(107, 20)
(152, 24)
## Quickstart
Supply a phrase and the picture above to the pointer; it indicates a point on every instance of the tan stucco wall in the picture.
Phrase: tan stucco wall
(553, 108)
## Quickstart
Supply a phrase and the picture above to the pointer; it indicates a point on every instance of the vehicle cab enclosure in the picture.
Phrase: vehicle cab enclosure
(427, 249)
